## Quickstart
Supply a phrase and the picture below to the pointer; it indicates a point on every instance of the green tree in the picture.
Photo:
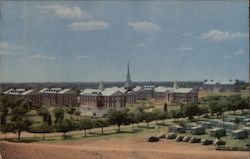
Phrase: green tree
(162, 116)
(44, 113)
(175, 114)
(215, 107)
(19, 116)
(59, 114)
(149, 116)
(117, 117)
(139, 116)
(190, 110)
(44, 127)
(71, 111)
(132, 119)
(5, 128)
(64, 126)
(86, 124)
(101, 123)
(165, 107)
(77, 114)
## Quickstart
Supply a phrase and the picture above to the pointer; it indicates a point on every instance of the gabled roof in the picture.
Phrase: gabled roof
(111, 91)
(212, 82)
(27, 92)
(137, 88)
(161, 89)
(64, 91)
(183, 90)
(90, 91)
(19, 91)
(50, 90)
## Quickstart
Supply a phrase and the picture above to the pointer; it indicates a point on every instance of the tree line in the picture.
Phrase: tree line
(16, 111)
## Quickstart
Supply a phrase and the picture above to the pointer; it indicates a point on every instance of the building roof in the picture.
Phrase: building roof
(183, 90)
(111, 91)
(50, 90)
(64, 91)
(212, 82)
(137, 88)
(105, 92)
(148, 87)
(162, 89)
(90, 91)
(19, 91)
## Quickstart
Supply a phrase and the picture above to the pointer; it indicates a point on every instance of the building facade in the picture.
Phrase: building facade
(221, 86)
(31, 95)
(58, 97)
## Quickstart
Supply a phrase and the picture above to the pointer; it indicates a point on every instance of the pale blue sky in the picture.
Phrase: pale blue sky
(93, 40)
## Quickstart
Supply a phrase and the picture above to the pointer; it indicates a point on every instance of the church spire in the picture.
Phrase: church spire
(128, 80)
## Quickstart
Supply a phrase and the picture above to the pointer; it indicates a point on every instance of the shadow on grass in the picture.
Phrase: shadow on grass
(28, 140)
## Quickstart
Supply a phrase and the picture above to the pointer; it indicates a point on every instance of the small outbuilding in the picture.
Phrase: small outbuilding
(217, 132)
(239, 134)
(205, 124)
(190, 125)
(198, 130)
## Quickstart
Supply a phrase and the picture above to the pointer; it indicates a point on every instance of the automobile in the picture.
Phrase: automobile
(179, 138)
(206, 142)
(186, 138)
(195, 140)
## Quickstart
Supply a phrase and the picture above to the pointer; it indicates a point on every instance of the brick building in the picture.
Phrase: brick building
(31, 95)
(58, 96)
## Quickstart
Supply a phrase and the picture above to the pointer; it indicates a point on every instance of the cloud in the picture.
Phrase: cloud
(81, 56)
(141, 45)
(88, 25)
(4, 45)
(37, 56)
(239, 52)
(185, 48)
(218, 35)
(65, 11)
(143, 26)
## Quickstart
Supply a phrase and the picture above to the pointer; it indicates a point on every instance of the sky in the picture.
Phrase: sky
(90, 41)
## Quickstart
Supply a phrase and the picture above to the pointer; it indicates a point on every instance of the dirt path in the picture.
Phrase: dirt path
(131, 148)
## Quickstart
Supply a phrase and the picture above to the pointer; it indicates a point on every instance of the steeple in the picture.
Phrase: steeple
(128, 80)
(101, 85)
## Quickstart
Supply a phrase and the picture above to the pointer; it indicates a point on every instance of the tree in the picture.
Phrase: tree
(59, 114)
(132, 119)
(64, 126)
(3, 109)
(19, 118)
(190, 110)
(156, 115)
(86, 124)
(117, 117)
(149, 116)
(44, 113)
(165, 107)
(162, 116)
(71, 111)
(176, 114)
(139, 116)
(77, 113)
(5, 128)
(215, 107)
(101, 123)
(44, 127)
(242, 104)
